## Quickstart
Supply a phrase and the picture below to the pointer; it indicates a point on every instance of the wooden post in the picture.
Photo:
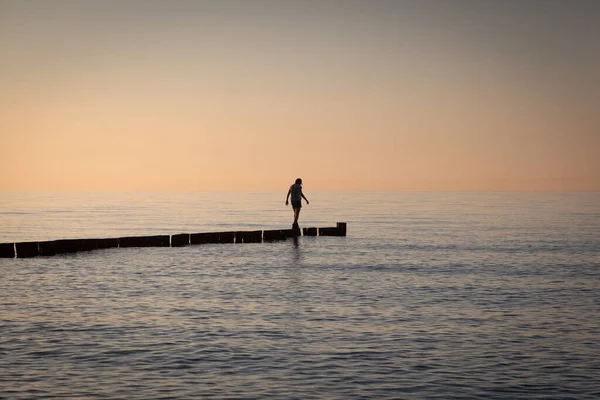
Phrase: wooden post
(273, 235)
(27, 249)
(7, 250)
(310, 232)
(145, 241)
(183, 239)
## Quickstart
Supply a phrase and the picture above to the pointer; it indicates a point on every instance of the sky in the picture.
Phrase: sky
(348, 95)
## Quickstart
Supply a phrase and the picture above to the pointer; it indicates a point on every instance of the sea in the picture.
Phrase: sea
(431, 295)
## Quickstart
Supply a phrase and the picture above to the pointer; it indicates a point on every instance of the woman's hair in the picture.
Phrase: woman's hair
(299, 181)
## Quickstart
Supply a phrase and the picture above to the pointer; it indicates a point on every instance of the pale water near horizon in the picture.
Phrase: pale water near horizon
(431, 295)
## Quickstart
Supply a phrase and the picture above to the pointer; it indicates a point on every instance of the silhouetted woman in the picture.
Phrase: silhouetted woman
(297, 196)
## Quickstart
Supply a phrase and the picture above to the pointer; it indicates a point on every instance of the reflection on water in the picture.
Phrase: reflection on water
(296, 251)
(430, 296)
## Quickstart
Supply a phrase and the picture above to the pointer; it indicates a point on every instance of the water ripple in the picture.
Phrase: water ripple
(485, 303)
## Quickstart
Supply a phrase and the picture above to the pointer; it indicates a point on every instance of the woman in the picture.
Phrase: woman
(297, 196)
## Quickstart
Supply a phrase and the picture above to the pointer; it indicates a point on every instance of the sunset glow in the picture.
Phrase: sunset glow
(348, 95)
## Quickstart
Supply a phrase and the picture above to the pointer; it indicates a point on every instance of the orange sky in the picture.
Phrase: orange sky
(249, 95)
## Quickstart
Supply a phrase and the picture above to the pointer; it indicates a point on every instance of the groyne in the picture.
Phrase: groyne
(64, 246)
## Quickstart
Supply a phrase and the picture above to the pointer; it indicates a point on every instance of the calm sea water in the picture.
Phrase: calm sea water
(431, 295)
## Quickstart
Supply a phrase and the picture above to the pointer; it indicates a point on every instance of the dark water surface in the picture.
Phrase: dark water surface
(431, 295)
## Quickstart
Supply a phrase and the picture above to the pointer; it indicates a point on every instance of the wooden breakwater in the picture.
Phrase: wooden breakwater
(64, 246)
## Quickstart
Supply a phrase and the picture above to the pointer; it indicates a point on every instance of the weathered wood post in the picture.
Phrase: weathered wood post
(7, 250)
